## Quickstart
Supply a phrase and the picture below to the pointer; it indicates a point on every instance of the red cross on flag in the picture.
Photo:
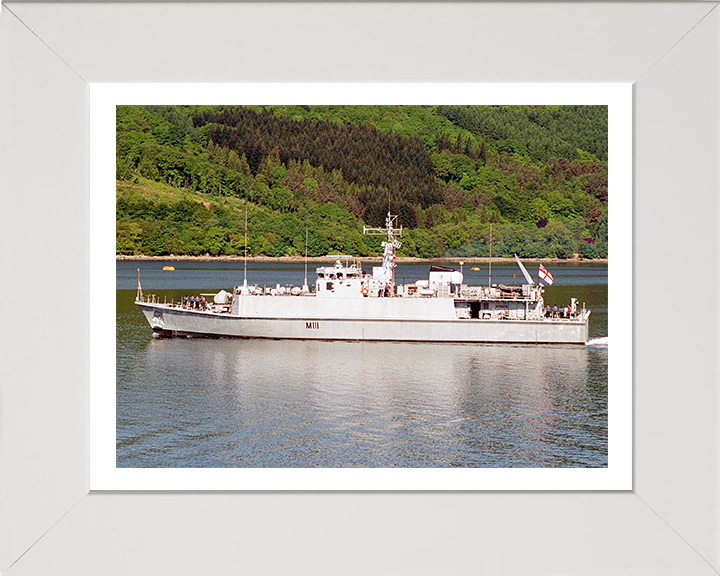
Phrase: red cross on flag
(545, 275)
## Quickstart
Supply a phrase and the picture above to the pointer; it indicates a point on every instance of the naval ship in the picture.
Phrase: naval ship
(347, 303)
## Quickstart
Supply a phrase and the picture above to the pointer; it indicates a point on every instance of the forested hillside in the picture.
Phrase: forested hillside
(187, 176)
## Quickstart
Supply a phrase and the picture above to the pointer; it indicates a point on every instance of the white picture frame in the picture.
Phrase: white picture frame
(668, 523)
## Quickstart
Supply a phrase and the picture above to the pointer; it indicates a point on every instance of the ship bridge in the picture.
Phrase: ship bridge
(340, 280)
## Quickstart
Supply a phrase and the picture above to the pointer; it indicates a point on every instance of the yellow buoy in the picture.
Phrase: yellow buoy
(474, 268)
(168, 267)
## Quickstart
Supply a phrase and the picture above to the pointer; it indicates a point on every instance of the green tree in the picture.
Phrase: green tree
(216, 241)
(128, 238)
(309, 184)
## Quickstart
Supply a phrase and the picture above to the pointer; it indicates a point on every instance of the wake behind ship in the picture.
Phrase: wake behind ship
(349, 304)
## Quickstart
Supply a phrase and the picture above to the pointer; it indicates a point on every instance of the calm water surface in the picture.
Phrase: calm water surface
(193, 402)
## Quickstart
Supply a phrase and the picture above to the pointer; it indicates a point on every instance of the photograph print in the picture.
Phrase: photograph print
(357, 286)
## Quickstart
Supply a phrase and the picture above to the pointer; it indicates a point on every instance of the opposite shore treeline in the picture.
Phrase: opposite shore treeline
(526, 180)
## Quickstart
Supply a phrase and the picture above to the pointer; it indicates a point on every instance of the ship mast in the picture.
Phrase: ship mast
(388, 245)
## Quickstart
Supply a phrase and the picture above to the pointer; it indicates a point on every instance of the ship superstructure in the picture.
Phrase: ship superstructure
(346, 303)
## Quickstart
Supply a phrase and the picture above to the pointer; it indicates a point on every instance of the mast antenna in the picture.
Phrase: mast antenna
(490, 261)
(305, 285)
(245, 264)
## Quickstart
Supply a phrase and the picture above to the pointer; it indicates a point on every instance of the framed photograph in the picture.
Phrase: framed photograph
(68, 505)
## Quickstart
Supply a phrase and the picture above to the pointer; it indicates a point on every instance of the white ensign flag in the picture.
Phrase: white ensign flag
(545, 275)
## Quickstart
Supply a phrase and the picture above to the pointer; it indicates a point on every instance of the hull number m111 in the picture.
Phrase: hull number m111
(312, 325)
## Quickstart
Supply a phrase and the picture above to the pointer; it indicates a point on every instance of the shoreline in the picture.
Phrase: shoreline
(368, 259)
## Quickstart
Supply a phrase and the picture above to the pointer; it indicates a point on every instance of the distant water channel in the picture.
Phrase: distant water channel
(188, 403)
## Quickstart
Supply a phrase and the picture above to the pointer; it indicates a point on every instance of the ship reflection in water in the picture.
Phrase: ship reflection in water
(282, 403)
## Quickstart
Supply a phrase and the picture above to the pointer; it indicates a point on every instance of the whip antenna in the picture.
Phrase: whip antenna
(490, 260)
(305, 288)
(245, 286)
